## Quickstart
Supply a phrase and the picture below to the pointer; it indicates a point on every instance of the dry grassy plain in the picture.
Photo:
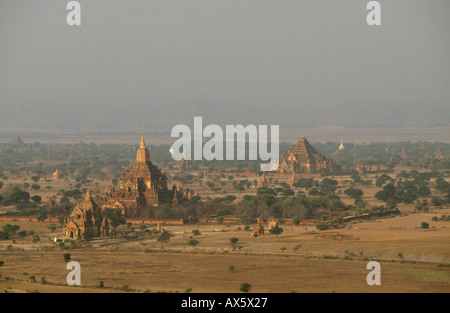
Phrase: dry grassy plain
(268, 263)
(301, 259)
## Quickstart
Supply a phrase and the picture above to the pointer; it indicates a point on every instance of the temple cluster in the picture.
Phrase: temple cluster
(141, 187)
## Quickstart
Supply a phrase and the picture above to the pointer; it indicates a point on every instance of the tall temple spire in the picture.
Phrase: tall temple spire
(88, 195)
(142, 141)
(142, 154)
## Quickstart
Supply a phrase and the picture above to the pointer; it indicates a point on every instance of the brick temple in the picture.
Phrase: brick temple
(141, 186)
(304, 158)
(85, 218)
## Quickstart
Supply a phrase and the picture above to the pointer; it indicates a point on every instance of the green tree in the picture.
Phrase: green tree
(164, 237)
(11, 229)
(42, 216)
(16, 195)
(322, 226)
(276, 230)
(423, 191)
(193, 242)
(437, 201)
(36, 198)
(382, 179)
(354, 193)
(265, 190)
(266, 199)
(391, 204)
(233, 242)
(388, 192)
(409, 197)
(356, 178)
(245, 287)
(4, 235)
(328, 186)
(304, 183)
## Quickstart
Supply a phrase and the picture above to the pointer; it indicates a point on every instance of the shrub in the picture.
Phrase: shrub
(245, 287)
(437, 201)
(322, 226)
(424, 225)
(276, 230)
(125, 288)
(193, 242)
(354, 193)
(234, 240)
(164, 237)
(36, 199)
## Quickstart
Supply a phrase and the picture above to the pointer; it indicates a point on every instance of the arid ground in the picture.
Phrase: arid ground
(301, 259)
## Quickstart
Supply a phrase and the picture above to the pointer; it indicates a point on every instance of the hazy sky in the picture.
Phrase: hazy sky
(153, 64)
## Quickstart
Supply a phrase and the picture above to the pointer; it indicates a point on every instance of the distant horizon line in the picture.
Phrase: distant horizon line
(140, 129)
(158, 136)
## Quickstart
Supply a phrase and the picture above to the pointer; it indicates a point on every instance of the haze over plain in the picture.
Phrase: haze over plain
(155, 64)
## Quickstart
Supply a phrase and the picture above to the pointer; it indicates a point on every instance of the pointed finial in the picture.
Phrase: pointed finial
(142, 141)
(88, 195)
